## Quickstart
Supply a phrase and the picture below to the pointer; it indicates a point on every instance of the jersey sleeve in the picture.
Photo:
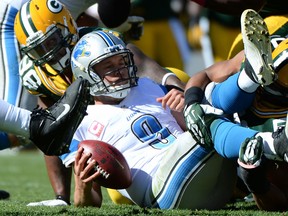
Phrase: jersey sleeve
(28, 76)
(38, 82)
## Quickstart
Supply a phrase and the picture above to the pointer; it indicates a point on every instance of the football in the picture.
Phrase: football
(110, 162)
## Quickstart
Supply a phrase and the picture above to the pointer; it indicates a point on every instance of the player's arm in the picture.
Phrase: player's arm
(87, 192)
(217, 72)
(233, 7)
(196, 113)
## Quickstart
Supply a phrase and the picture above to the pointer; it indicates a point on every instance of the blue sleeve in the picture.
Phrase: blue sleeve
(73, 148)
(228, 137)
(229, 97)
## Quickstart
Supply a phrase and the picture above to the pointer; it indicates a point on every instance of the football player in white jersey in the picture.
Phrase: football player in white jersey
(111, 12)
(169, 169)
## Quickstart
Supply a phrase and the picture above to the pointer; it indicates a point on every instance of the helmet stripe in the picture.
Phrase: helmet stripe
(280, 60)
(27, 24)
(108, 40)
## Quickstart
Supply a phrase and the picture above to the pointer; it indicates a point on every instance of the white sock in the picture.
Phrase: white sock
(14, 120)
(245, 83)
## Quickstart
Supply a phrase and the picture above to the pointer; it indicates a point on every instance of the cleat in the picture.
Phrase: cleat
(281, 142)
(52, 129)
(257, 48)
(51, 203)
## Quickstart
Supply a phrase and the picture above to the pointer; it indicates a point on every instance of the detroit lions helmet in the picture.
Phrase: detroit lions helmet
(92, 49)
(46, 32)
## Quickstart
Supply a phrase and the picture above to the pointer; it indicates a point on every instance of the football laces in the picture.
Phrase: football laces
(104, 173)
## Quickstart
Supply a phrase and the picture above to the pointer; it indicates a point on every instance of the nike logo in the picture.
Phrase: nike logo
(193, 113)
(65, 111)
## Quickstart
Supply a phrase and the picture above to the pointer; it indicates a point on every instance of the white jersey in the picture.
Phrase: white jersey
(162, 158)
(145, 128)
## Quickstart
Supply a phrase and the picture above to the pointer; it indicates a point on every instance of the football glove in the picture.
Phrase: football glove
(198, 118)
(251, 152)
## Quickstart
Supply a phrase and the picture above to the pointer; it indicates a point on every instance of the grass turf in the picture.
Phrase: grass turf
(23, 175)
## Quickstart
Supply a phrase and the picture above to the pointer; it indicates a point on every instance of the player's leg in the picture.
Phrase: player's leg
(14, 120)
(258, 62)
(228, 138)
(231, 97)
(183, 169)
(257, 68)
(224, 134)
(47, 127)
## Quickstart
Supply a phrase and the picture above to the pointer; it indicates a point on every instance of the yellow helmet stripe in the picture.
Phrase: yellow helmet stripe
(27, 24)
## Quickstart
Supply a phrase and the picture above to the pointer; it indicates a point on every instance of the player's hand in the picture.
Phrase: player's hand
(174, 99)
(251, 152)
(198, 118)
(84, 166)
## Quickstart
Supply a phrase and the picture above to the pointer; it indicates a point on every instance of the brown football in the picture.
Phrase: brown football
(110, 162)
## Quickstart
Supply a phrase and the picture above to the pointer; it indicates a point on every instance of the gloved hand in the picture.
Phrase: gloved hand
(198, 118)
(251, 152)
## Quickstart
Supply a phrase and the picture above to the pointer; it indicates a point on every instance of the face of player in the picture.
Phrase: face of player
(113, 70)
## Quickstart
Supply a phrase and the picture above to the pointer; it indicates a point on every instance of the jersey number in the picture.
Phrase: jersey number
(29, 77)
(147, 127)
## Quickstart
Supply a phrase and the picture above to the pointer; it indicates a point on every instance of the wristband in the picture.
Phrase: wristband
(165, 77)
(200, 2)
(193, 95)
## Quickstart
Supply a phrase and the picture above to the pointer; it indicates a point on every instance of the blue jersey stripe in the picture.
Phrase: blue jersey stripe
(180, 176)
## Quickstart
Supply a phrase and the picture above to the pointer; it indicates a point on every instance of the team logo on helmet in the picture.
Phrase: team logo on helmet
(81, 50)
(54, 6)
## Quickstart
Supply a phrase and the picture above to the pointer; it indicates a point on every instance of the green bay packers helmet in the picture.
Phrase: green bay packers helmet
(46, 32)
(92, 49)
(280, 62)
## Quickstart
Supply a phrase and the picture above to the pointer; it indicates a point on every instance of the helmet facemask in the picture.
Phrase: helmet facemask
(52, 47)
(126, 76)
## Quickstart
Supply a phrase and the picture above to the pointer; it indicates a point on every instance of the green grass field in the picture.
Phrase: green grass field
(24, 176)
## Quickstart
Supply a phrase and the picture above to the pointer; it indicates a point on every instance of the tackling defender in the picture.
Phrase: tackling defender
(255, 90)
